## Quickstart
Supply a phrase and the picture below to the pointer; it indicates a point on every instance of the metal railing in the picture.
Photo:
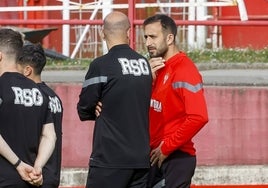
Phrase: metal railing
(137, 36)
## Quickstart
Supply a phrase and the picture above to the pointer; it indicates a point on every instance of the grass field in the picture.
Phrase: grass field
(223, 56)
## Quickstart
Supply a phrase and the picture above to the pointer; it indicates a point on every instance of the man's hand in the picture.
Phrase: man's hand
(157, 156)
(24, 170)
(30, 174)
(36, 176)
(156, 63)
(98, 109)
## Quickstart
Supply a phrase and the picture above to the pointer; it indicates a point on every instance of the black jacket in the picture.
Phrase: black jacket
(122, 81)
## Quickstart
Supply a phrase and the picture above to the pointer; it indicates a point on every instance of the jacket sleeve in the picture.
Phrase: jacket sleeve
(192, 94)
(90, 93)
(196, 118)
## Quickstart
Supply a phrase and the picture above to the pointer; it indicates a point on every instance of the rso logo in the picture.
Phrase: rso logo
(27, 97)
(54, 104)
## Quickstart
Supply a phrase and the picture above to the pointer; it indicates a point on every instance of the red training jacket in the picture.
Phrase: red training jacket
(178, 108)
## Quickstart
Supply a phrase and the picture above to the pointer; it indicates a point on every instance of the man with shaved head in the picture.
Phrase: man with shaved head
(121, 81)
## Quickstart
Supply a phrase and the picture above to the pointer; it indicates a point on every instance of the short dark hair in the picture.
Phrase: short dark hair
(33, 55)
(168, 24)
(11, 41)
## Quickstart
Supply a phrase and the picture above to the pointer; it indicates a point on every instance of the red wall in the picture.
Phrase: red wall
(8, 15)
(77, 135)
(236, 133)
(250, 36)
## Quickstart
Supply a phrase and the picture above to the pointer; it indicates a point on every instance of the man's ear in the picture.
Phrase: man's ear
(170, 39)
(102, 34)
(128, 33)
(27, 71)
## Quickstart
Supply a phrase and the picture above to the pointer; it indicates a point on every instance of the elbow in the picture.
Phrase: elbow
(204, 120)
(200, 120)
(84, 114)
(51, 136)
(54, 137)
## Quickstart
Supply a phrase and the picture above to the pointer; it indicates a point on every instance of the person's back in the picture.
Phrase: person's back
(125, 97)
(21, 102)
(52, 170)
(23, 112)
(121, 80)
(31, 62)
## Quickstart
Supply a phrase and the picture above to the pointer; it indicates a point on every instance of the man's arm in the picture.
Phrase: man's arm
(45, 150)
(22, 168)
(90, 93)
(46, 146)
(7, 152)
(196, 115)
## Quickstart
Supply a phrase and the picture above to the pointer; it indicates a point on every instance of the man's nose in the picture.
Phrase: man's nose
(148, 42)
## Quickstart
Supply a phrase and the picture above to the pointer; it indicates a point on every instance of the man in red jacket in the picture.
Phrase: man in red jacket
(178, 108)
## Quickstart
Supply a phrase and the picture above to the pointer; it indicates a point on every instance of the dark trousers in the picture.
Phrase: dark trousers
(22, 185)
(176, 171)
(49, 186)
(119, 178)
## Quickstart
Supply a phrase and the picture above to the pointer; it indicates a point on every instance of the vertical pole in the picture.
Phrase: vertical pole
(66, 29)
(191, 28)
(201, 13)
(106, 11)
(30, 14)
(131, 15)
(45, 16)
(215, 28)
(24, 12)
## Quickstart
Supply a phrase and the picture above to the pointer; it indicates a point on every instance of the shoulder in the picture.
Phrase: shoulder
(99, 62)
(48, 91)
(185, 68)
(45, 88)
(185, 62)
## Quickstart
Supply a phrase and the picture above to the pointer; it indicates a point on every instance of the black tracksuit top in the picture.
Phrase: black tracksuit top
(122, 81)
(23, 112)
(52, 169)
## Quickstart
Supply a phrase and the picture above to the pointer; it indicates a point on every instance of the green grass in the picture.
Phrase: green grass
(230, 56)
(198, 56)
(67, 64)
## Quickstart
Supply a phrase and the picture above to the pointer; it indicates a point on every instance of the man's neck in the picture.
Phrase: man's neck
(36, 78)
(171, 52)
(8, 68)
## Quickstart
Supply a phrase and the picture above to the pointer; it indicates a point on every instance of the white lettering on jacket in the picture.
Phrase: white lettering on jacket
(136, 67)
(27, 97)
(156, 105)
(55, 105)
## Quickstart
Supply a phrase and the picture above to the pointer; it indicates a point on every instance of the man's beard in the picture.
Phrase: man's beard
(158, 53)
